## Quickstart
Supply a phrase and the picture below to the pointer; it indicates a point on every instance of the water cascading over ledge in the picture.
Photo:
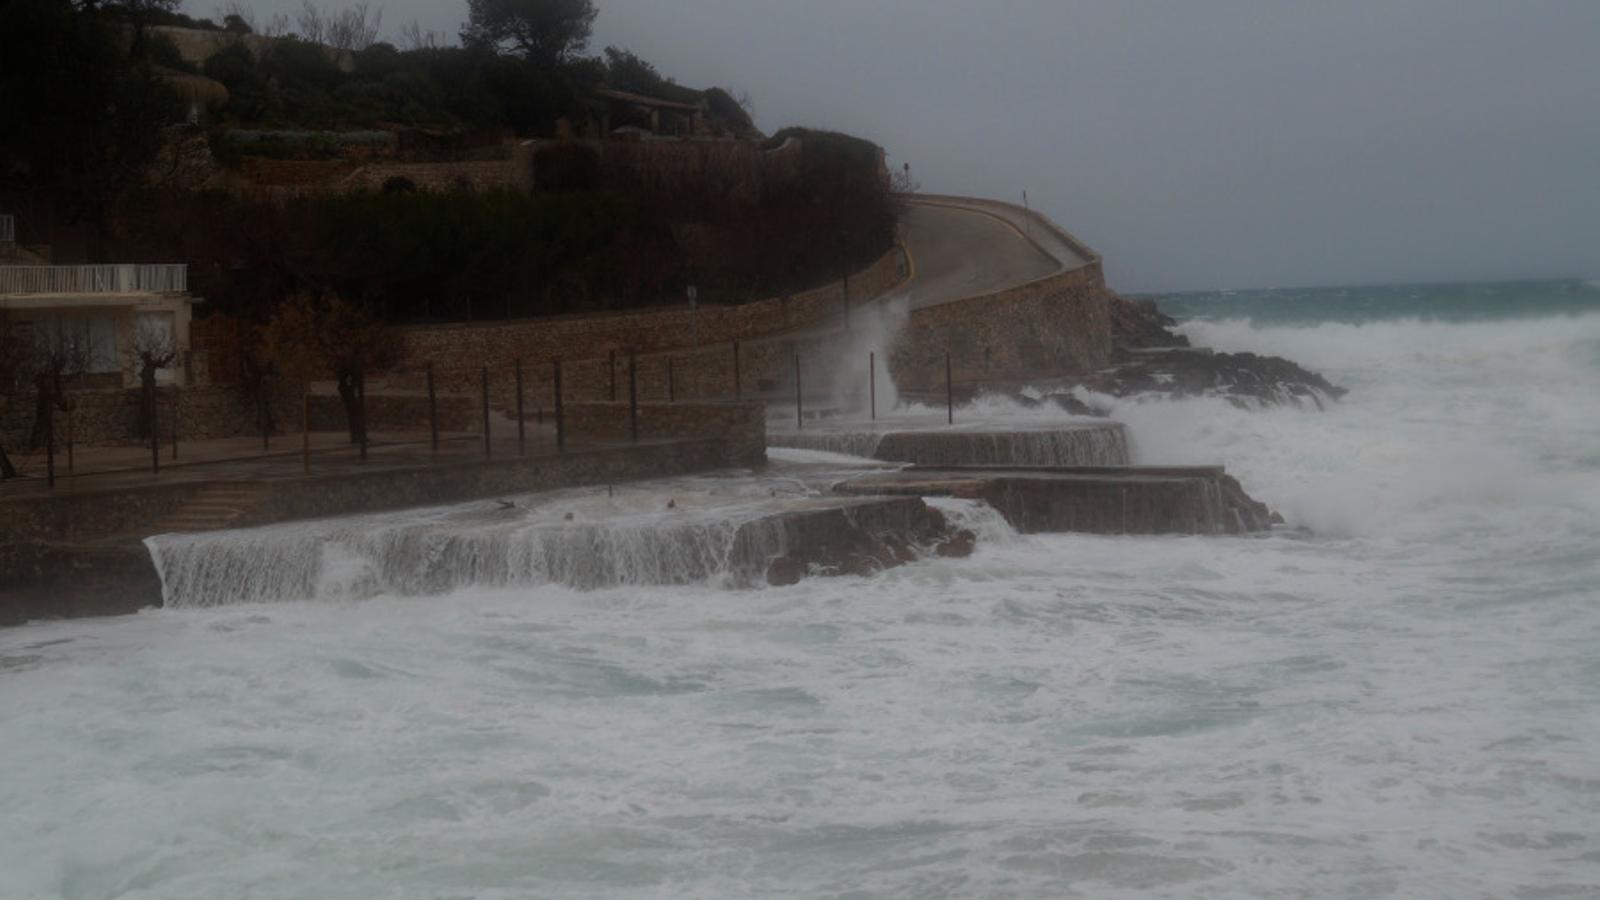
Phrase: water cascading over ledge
(1099, 444)
(437, 552)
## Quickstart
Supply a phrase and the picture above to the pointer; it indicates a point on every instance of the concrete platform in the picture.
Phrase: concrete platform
(1097, 500)
(1088, 444)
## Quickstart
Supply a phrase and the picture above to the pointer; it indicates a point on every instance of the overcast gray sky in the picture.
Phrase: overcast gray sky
(1196, 143)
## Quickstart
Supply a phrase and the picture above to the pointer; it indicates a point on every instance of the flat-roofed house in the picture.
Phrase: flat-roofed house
(105, 312)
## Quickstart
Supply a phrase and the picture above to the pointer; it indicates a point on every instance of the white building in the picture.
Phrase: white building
(104, 312)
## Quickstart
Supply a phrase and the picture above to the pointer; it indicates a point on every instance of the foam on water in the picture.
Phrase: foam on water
(1399, 705)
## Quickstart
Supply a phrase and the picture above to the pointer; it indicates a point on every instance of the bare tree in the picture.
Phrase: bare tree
(313, 24)
(353, 28)
(16, 363)
(151, 351)
(412, 37)
(61, 353)
(313, 337)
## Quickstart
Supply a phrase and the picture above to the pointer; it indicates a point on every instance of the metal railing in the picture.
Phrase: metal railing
(107, 279)
(8, 229)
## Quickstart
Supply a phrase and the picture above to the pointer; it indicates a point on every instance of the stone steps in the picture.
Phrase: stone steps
(215, 507)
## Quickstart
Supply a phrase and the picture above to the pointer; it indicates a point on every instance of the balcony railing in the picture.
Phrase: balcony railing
(115, 279)
(8, 229)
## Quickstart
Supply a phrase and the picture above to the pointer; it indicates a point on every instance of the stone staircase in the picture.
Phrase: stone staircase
(215, 507)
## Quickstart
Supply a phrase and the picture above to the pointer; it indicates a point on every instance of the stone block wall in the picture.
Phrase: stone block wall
(116, 416)
(512, 174)
(1059, 325)
(458, 351)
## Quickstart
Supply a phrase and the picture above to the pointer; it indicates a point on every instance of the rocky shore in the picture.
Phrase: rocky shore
(1150, 359)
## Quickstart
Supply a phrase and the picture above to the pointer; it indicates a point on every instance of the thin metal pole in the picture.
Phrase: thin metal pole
(361, 410)
(50, 442)
(487, 449)
(633, 397)
(847, 299)
(155, 433)
(949, 392)
(305, 432)
(261, 414)
(738, 388)
(611, 369)
(433, 411)
(174, 424)
(561, 414)
(672, 387)
(72, 467)
(799, 407)
(872, 383)
(522, 427)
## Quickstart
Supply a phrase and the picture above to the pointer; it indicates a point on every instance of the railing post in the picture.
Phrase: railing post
(175, 423)
(433, 411)
(261, 415)
(488, 449)
(611, 371)
(155, 431)
(633, 396)
(738, 387)
(522, 428)
(672, 387)
(561, 414)
(872, 383)
(799, 403)
(305, 432)
(50, 442)
(949, 392)
(847, 299)
(361, 411)
(72, 468)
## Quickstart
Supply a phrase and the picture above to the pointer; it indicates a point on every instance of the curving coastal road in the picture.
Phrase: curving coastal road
(964, 248)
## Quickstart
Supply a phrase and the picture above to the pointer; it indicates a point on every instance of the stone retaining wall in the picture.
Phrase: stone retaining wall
(1060, 325)
(457, 351)
(61, 555)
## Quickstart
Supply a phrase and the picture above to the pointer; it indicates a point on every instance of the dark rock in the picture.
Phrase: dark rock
(1140, 323)
(960, 545)
(785, 571)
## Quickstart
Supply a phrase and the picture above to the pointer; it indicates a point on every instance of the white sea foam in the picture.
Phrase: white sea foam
(1401, 704)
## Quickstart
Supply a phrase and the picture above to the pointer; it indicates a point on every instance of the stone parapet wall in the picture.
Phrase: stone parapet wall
(46, 571)
(1060, 325)
(511, 175)
(458, 351)
(112, 417)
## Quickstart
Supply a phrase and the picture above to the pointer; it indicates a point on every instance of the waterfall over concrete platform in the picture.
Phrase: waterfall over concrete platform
(1090, 444)
(645, 535)
(1105, 500)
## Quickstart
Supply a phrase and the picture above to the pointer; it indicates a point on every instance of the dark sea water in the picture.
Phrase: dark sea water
(1355, 305)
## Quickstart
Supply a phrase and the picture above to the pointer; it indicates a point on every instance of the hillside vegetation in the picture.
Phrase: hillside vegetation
(603, 230)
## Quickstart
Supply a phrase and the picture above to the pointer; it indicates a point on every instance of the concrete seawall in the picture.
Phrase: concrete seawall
(80, 554)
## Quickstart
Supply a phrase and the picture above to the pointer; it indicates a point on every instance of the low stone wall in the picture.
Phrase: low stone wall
(457, 351)
(101, 417)
(78, 554)
(1060, 325)
(513, 174)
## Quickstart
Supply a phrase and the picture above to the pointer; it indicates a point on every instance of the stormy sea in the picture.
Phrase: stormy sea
(1396, 694)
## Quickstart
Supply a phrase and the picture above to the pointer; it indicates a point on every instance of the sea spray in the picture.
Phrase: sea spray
(1400, 708)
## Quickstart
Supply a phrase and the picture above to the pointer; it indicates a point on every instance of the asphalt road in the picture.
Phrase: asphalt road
(975, 248)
